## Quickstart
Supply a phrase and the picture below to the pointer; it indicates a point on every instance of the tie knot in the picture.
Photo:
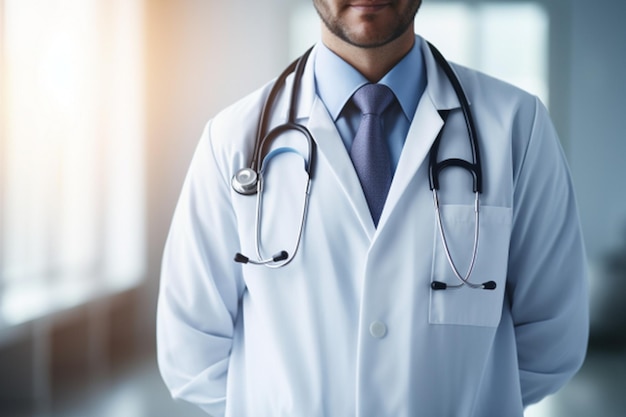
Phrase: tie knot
(373, 98)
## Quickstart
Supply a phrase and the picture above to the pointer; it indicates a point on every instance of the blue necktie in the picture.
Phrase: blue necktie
(369, 152)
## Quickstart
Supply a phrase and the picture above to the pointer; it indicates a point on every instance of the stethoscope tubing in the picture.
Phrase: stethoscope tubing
(475, 167)
(260, 156)
(463, 278)
(288, 256)
(263, 138)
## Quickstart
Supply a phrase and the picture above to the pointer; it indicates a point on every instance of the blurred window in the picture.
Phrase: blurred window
(506, 40)
(71, 133)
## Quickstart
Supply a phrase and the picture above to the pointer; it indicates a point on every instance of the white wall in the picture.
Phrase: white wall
(598, 120)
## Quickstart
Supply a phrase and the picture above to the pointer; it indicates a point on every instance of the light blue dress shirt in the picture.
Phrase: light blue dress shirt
(336, 81)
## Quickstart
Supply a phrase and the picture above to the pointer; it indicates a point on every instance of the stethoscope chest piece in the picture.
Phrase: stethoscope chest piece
(245, 181)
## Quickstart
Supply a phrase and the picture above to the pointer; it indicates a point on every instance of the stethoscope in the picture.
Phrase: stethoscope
(248, 181)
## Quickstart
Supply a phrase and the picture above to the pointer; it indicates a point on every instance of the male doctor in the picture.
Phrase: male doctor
(352, 326)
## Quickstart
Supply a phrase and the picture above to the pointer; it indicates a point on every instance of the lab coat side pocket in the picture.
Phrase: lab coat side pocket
(465, 305)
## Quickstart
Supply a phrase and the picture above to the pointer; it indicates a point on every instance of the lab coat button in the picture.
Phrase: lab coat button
(378, 329)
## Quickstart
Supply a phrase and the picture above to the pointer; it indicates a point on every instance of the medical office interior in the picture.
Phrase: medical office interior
(102, 103)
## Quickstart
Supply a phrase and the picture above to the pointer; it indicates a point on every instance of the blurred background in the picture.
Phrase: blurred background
(102, 103)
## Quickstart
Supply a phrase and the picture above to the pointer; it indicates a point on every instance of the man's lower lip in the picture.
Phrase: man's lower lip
(369, 8)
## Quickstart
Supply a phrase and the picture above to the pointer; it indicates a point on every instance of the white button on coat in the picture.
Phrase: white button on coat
(378, 329)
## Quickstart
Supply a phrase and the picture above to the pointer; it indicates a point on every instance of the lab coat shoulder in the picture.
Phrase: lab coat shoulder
(232, 132)
(477, 84)
(523, 117)
(496, 101)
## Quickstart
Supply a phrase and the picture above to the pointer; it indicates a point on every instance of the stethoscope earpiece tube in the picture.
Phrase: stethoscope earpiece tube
(474, 168)
(264, 137)
(245, 180)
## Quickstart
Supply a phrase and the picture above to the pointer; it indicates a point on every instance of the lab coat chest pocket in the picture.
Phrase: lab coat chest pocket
(465, 305)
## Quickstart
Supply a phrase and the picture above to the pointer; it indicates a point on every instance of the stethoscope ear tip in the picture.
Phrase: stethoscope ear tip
(438, 285)
(281, 256)
(242, 259)
(489, 285)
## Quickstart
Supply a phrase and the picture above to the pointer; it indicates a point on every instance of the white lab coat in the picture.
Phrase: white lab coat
(351, 326)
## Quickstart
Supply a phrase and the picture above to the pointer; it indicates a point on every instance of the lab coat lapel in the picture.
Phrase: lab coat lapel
(331, 151)
(426, 125)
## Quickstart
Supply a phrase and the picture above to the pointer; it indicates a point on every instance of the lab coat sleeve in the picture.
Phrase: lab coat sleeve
(200, 287)
(547, 278)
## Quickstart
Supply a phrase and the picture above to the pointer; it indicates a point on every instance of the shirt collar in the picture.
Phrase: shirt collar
(336, 80)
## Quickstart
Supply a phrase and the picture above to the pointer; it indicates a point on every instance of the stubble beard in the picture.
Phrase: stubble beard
(343, 32)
